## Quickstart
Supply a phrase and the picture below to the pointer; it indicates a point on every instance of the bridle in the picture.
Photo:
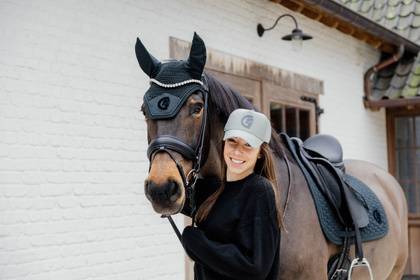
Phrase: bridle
(170, 144)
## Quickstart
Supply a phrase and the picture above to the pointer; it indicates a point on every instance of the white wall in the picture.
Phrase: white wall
(73, 141)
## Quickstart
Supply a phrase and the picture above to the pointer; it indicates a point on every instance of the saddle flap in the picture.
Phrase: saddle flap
(357, 209)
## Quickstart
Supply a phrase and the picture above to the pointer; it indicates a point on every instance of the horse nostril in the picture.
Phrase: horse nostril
(172, 191)
(147, 189)
(166, 193)
(173, 188)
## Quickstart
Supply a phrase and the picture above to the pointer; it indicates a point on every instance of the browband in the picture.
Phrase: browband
(176, 84)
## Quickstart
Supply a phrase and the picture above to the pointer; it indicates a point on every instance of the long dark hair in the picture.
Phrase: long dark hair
(266, 166)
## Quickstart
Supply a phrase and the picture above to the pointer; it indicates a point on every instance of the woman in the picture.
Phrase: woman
(238, 226)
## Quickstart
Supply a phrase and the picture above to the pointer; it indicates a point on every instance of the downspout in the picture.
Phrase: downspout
(368, 77)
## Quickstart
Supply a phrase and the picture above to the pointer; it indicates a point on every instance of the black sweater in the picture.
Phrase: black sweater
(240, 237)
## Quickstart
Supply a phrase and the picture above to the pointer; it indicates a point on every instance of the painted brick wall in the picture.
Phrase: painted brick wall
(73, 141)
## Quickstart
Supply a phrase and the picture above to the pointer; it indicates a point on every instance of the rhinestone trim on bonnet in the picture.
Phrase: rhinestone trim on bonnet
(176, 84)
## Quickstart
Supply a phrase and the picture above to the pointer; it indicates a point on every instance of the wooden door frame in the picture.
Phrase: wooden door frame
(391, 114)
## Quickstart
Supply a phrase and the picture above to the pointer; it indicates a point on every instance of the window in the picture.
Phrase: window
(404, 153)
(291, 120)
(288, 113)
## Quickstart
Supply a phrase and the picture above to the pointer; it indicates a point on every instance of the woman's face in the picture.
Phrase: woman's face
(240, 158)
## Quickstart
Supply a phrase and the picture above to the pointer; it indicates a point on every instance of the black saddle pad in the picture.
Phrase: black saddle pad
(333, 230)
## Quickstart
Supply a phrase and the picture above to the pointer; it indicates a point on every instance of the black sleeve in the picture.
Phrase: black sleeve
(252, 256)
(204, 187)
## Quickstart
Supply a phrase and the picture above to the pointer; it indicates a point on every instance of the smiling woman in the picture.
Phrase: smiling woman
(245, 131)
(238, 227)
(240, 158)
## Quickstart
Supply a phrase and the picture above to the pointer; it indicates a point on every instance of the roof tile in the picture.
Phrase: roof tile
(414, 81)
(392, 93)
(367, 6)
(406, 2)
(404, 68)
(378, 14)
(379, 4)
(393, 11)
(398, 82)
(390, 23)
(414, 34)
(416, 66)
(355, 5)
(382, 83)
(404, 23)
(409, 91)
(393, 2)
(407, 8)
(377, 94)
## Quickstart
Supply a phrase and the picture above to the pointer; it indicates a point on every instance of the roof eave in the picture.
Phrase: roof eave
(391, 103)
(359, 21)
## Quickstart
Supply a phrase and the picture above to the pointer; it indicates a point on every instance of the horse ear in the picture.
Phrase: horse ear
(197, 58)
(148, 63)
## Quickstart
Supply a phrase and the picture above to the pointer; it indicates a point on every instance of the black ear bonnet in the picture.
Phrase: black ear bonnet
(172, 82)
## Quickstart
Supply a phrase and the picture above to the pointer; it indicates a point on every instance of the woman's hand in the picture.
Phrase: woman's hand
(187, 231)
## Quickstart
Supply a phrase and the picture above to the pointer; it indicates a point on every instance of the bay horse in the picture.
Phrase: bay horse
(304, 250)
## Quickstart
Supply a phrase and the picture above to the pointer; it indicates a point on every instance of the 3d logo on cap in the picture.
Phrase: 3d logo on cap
(247, 121)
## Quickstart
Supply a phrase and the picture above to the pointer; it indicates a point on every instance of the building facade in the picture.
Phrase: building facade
(73, 140)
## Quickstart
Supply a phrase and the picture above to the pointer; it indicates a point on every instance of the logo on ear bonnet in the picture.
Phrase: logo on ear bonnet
(247, 121)
(163, 103)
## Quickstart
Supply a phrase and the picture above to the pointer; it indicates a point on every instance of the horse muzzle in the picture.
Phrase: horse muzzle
(165, 198)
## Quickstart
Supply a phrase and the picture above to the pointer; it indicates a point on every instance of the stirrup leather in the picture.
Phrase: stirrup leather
(357, 263)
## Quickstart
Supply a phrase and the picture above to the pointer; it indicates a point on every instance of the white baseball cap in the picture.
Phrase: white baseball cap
(252, 126)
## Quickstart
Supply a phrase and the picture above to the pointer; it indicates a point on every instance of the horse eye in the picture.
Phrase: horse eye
(197, 108)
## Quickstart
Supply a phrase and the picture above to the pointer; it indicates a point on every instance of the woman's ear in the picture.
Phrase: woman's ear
(259, 156)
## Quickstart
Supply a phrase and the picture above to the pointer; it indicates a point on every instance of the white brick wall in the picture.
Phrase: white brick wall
(72, 139)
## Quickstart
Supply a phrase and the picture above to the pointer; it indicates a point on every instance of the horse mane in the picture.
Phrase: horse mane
(223, 100)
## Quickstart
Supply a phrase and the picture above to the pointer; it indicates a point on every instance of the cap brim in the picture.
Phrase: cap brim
(249, 138)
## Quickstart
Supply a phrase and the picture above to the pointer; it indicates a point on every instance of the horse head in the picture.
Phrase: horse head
(175, 111)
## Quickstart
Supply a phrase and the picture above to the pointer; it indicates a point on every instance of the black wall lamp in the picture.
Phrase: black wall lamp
(297, 35)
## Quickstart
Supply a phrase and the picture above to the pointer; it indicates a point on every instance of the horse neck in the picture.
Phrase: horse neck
(285, 171)
(212, 165)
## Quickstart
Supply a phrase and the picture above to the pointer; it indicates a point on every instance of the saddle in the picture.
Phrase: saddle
(348, 211)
